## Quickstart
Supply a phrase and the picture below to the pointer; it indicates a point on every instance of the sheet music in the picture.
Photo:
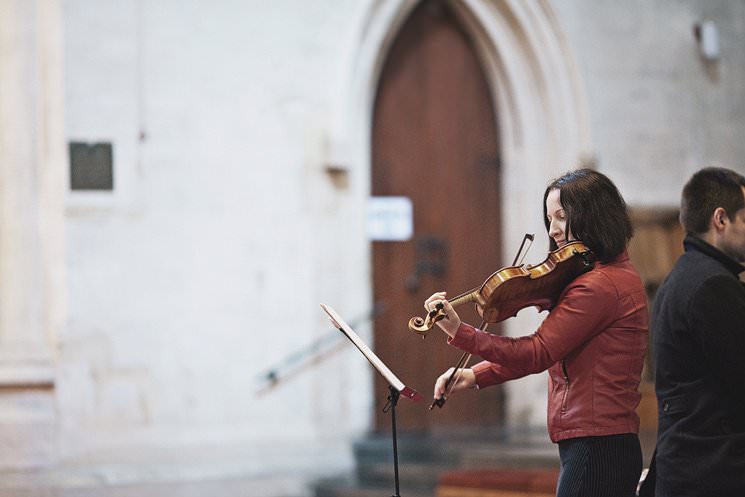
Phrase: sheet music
(391, 378)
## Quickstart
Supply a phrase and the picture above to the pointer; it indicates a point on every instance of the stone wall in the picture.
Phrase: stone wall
(240, 135)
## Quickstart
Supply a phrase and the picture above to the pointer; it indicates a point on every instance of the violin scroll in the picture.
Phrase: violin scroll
(423, 325)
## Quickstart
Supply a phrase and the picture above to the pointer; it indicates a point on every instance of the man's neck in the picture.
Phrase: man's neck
(711, 238)
(715, 251)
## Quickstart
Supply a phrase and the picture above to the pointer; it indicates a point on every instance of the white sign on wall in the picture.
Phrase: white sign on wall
(390, 219)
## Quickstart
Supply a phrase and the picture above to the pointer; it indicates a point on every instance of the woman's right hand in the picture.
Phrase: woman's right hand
(466, 380)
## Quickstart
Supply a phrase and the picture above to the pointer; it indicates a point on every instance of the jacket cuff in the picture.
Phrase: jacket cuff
(464, 337)
(484, 373)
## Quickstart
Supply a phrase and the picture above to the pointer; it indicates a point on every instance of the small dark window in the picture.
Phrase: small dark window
(91, 166)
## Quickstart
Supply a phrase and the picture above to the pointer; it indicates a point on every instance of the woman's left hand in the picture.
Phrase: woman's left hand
(451, 323)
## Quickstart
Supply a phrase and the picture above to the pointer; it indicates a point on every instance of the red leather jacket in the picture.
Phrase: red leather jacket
(592, 343)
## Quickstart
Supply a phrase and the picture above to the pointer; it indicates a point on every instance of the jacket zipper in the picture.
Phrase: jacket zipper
(566, 386)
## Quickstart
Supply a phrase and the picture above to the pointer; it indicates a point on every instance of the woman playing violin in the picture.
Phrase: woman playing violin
(592, 342)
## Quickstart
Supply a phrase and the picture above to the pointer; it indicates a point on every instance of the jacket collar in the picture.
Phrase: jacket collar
(693, 242)
(619, 259)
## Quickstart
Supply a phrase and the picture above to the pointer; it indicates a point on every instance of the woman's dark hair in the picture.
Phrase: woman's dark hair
(708, 189)
(595, 211)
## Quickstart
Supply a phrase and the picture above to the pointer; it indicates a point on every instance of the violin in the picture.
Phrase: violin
(513, 288)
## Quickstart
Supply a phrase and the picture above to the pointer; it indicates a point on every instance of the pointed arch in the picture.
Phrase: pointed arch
(534, 80)
(539, 104)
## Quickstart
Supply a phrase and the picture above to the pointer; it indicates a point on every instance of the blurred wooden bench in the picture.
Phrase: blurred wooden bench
(498, 483)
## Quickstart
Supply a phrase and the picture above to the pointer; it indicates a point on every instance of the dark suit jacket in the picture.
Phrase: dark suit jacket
(698, 327)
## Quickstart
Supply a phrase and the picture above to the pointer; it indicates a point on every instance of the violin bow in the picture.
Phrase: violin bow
(455, 375)
(466, 357)
(528, 237)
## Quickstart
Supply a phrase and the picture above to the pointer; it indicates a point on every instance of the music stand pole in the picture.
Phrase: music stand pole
(392, 400)
(395, 386)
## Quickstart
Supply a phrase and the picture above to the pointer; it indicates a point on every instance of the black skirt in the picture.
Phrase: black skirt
(607, 466)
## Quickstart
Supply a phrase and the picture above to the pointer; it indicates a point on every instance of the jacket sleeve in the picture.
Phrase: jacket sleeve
(718, 309)
(587, 306)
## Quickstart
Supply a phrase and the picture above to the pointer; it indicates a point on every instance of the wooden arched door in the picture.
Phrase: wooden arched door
(434, 141)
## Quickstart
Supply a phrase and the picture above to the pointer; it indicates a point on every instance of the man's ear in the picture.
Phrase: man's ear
(719, 218)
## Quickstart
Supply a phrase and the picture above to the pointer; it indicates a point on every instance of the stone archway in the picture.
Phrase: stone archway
(543, 125)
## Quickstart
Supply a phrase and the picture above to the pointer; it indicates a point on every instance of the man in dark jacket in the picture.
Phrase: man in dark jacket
(698, 325)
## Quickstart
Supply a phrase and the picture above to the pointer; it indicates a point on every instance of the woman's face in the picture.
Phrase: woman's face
(557, 220)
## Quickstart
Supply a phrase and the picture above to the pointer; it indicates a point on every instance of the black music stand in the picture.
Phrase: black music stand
(395, 386)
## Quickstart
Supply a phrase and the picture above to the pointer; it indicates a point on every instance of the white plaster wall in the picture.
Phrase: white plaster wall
(658, 111)
(206, 264)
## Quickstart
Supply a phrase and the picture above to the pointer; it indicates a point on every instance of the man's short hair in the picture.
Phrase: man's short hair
(708, 189)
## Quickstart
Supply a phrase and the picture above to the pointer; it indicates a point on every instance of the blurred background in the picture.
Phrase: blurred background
(184, 181)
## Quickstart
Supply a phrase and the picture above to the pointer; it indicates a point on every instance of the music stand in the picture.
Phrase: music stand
(395, 386)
